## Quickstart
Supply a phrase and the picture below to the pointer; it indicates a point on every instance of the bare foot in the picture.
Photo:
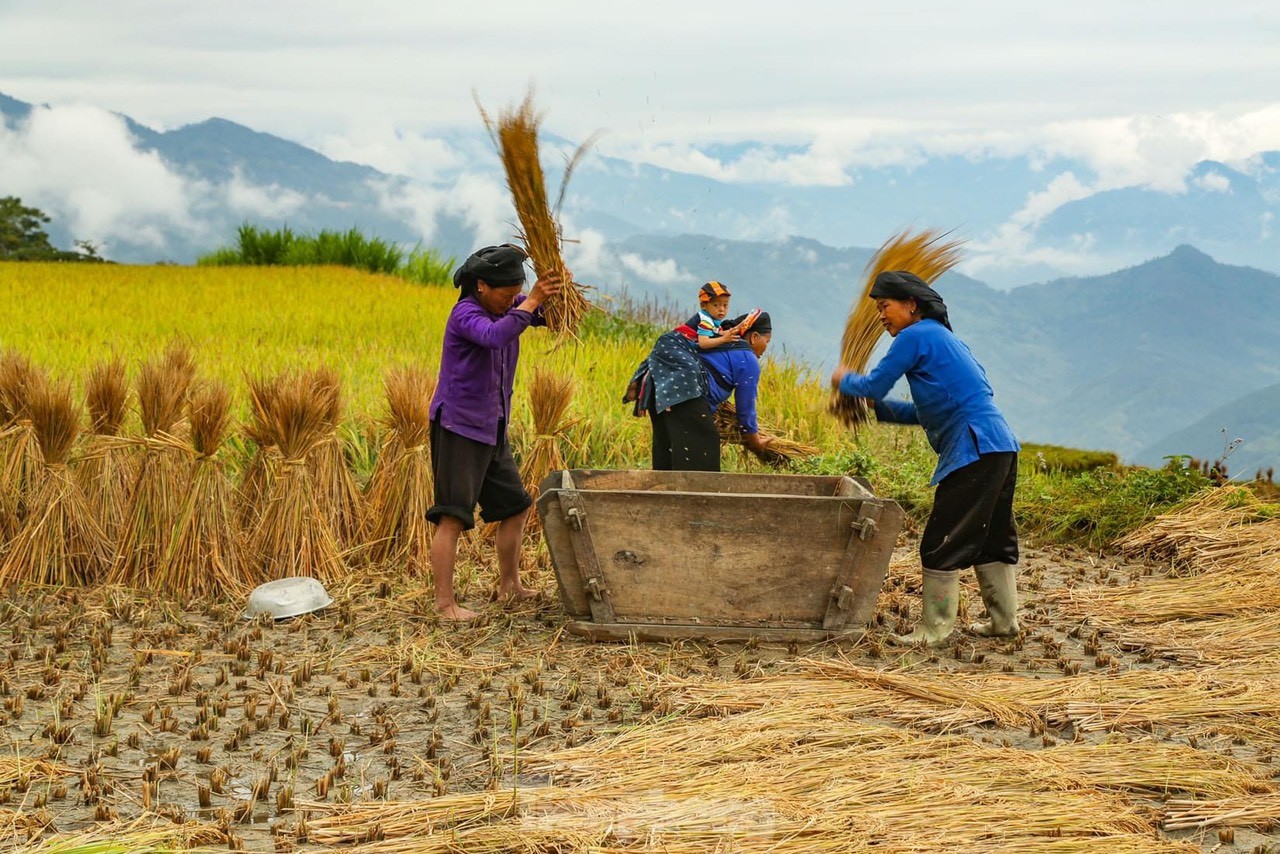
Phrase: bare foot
(455, 613)
(517, 594)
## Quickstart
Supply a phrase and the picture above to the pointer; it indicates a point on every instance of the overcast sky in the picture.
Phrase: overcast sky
(854, 82)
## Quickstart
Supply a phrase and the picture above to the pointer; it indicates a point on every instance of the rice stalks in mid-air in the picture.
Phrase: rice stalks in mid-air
(401, 490)
(549, 398)
(20, 459)
(60, 543)
(336, 490)
(927, 255)
(163, 386)
(293, 536)
(203, 557)
(109, 466)
(515, 135)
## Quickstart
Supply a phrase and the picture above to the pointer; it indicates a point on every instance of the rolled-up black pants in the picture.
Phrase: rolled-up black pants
(685, 438)
(972, 519)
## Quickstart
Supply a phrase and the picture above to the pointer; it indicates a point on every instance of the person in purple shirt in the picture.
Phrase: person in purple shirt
(471, 460)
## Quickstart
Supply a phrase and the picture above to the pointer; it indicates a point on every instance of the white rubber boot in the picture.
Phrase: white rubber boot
(998, 584)
(940, 602)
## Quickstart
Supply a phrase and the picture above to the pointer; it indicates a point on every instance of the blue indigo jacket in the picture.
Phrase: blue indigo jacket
(950, 395)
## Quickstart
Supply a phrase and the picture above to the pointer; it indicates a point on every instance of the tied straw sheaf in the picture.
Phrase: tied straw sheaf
(927, 254)
(515, 135)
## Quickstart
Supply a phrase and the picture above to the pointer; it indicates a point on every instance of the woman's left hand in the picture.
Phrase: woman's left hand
(836, 376)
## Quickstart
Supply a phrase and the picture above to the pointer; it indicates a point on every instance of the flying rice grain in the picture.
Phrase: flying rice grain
(928, 255)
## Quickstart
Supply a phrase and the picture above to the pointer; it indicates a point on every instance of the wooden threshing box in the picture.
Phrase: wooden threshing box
(659, 554)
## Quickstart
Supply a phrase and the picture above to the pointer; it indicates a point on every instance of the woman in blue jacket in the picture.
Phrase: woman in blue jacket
(972, 519)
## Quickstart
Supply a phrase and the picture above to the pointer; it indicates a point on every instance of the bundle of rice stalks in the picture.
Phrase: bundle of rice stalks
(20, 461)
(163, 385)
(1222, 527)
(203, 558)
(264, 465)
(549, 398)
(336, 491)
(515, 135)
(782, 448)
(59, 543)
(401, 490)
(108, 468)
(293, 537)
(927, 255)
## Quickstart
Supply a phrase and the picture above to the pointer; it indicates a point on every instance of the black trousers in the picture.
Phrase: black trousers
(972, 518)
(685, 438)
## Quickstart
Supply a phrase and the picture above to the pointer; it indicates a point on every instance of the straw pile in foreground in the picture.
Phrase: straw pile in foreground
(163, 386)
(401, 490)
(264, 465)
(203, 557)
(515, 135)
(293, 537)
(549, 397)
(797, 774)
(336, 491)
(20, 462)
(59, 543)
(781, 449)
(108, 469)
(928, 255)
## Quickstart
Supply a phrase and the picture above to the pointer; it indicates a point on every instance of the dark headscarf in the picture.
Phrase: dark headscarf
(899, 284)
(499, 266)
(763, 324)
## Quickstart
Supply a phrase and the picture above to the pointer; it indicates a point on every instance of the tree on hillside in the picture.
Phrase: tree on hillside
(23, 238)
(22, 234)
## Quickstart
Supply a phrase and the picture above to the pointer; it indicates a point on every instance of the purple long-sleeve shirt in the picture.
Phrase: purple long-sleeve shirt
(478, 367)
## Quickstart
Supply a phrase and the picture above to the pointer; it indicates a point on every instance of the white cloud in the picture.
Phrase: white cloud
(479, 201)
(79, 164)
(394, 151)
(271, 201)
(1214, 182)
(82, 166)
(662, 271)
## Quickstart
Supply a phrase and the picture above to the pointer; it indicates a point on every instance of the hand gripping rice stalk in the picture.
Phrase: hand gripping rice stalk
(928, 255)
(20, 461)
(60, 543)
(402, 490)
(163, 386)
(292, 536)
(336, 491)
(108, 468)
(549, 397)
(203, 557)
(780, 450)
(515, 135)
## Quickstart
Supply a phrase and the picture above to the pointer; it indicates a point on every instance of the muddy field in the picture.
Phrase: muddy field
(118, 706)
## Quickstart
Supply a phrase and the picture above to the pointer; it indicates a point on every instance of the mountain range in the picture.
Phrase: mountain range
(1153, 359)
